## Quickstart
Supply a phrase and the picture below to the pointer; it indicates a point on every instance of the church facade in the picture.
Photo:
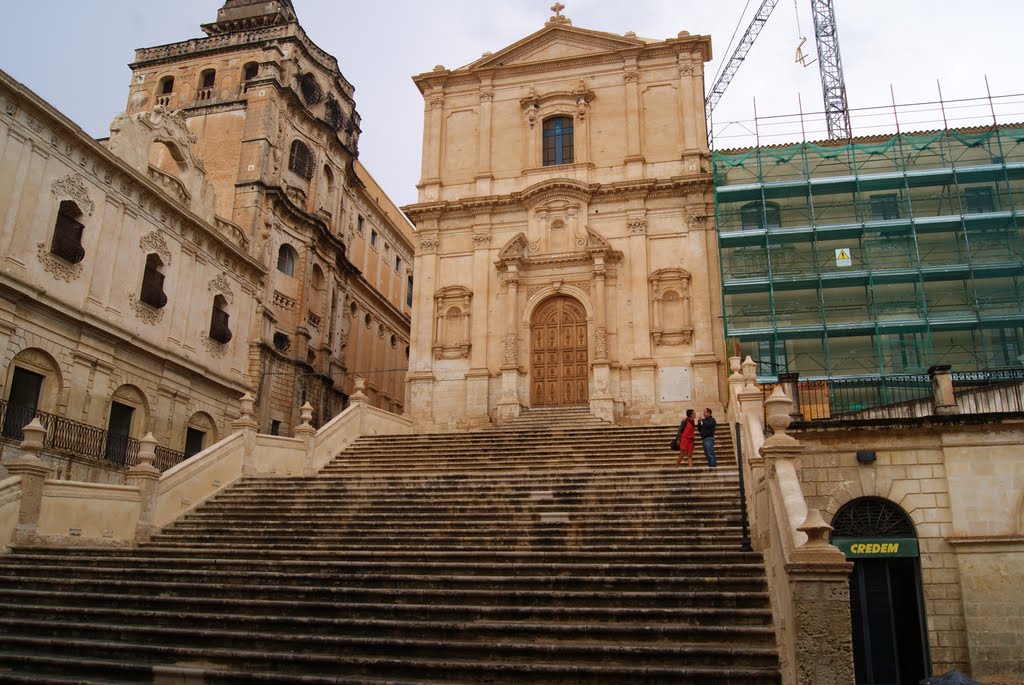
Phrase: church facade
(566, 245)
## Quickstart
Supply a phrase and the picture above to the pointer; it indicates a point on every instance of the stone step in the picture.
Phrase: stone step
(382, 671)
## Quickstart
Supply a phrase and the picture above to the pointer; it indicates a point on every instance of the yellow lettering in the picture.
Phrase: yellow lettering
(874, 548)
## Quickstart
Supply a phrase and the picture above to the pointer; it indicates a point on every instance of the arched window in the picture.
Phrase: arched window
(286, 260)
(301, 160)
(153, 282)
(206, 80)
(558, 147)
(67, 233)
(219, 318)
(250, 71)
(757, 215)
(311, 91)
(316, 290)
(332, 114)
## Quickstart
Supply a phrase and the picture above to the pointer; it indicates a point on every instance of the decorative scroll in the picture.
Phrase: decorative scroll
(154, 242)
(57, 266)
(221, 285)
(145, 312)
(72, 187)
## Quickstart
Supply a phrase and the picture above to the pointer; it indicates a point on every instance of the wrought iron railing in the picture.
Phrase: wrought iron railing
(80, 439)
(901, 396)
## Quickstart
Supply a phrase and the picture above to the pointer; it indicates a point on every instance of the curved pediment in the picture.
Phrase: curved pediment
(555, 188)
(514, 249)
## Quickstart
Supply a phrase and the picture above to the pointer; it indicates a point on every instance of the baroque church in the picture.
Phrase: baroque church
(565, 255)
(224, 240)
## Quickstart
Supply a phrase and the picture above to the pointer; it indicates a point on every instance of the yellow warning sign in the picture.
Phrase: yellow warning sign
(843, 257)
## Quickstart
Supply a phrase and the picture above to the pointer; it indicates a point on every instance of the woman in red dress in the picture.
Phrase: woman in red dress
(686, 430)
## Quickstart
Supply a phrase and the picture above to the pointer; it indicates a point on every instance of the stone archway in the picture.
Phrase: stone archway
(559, 354)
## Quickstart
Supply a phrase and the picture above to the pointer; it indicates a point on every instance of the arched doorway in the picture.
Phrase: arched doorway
(889, 637)
(558, 344)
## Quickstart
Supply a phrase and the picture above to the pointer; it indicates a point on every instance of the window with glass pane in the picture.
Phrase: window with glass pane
(760, 215)
(771, 357)
(885, 207)
(558, 141)
(978, 200)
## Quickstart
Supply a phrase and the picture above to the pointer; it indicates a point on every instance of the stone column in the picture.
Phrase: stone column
(478, 376)
(430, 176)
(33, 472)
(943, 399)
(634, 159)
(508, 404)
(642, 365)
(602, 404)
(420, 379)
(145, 477)
(483, 172)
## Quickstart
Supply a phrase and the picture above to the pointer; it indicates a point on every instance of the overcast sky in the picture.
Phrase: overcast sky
(74, 53)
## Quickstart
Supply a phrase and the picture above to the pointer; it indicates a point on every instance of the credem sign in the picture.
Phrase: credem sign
(863, 548)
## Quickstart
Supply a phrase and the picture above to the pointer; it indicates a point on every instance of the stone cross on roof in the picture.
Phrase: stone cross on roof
(558, 18)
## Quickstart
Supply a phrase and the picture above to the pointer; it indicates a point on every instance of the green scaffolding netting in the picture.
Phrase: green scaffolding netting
(786, 153)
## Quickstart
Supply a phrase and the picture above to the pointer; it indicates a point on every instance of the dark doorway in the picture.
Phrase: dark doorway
(886, 608)
(194, 439)
(118, 431)
(22, 401)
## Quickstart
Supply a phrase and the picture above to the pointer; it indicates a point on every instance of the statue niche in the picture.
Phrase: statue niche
(670, 295)
(452, 322)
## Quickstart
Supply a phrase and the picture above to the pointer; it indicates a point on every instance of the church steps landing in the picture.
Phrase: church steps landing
(532, 553)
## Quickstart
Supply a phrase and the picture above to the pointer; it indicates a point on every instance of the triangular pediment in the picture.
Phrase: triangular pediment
(555, 42)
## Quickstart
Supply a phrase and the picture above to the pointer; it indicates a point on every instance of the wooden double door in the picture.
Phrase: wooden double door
(558, 344)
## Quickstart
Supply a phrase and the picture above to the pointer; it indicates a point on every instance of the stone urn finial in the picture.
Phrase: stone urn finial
(777, 410)
(306, 414)
(736, 365)
(749, 367)
(33, 434)
(247, 405)
(358, 391)
(816, 529)
(147, 449)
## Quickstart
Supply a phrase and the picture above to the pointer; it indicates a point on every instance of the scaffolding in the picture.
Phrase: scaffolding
(880, 254)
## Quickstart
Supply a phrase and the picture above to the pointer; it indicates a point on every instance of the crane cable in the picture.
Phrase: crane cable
(728, 48)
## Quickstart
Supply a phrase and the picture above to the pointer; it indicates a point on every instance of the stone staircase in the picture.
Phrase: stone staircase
(557, 549)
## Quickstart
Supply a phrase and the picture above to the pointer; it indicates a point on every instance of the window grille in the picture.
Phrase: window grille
(67, 234)
(219, 318)
(301, 160)
(153, 284)
(311, 91)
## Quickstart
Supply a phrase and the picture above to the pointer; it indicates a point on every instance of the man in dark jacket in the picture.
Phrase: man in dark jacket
(706, 428)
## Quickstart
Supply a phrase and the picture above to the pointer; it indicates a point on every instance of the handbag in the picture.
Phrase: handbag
(674, 445)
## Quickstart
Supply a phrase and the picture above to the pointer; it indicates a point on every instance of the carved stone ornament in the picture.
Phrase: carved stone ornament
(486, 95)
(215, 348)
(481, 239)
(10, 107)
(72, 187)
(686, 70)
(154, 242)
(57, 266)
(601, 343)
(145, 312)
(222, 286)
(631, 76)
(637, 225)
(698, 220)
(428, 244)
(511, 349)
(452, 322)
(283, 301)
(670, 300)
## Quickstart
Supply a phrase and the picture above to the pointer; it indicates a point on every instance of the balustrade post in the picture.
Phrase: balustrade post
(817, 645)
(33, 472)
(943, 399)
(307, 434)
(247, 425)
(145, 476)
